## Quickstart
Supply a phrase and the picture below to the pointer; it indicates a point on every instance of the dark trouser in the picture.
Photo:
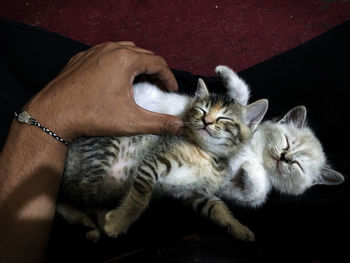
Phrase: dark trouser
(315, 74)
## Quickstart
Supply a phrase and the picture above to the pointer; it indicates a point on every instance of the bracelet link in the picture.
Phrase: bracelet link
(24, 117)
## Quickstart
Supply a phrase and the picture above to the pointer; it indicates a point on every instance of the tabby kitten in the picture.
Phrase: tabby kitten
(100, 172)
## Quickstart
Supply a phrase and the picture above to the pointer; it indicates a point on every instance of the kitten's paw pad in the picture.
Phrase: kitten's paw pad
(243, 233)
(93, 235)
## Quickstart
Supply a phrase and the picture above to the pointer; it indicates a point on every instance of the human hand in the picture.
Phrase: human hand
(92, 95)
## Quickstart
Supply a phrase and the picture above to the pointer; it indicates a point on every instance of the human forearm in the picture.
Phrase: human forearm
(32, 164)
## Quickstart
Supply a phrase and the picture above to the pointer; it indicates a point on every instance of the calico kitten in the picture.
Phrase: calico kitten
(100, 172)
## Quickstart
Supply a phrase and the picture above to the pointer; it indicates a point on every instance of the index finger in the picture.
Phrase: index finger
(158, 68)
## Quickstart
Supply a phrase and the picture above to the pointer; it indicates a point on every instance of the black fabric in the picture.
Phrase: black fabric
(288, 229)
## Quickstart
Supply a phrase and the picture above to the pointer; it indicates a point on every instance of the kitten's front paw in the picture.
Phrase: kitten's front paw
(114, 224)
(241, 232)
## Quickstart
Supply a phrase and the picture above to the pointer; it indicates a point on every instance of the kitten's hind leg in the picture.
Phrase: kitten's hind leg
(76, 216)
(216, 210)
(237, 88)
(118, 221)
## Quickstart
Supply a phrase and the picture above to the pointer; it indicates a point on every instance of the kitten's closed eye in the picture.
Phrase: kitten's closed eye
(203, 111)
(224, 119)
(288, 145)
(294, 162)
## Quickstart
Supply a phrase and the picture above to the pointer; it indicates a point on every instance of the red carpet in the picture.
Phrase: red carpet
(192, 35)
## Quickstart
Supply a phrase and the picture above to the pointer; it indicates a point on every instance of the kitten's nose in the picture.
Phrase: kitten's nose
(207, 120)
(285, 158)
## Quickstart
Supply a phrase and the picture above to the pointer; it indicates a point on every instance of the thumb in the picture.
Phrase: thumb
(156, 123)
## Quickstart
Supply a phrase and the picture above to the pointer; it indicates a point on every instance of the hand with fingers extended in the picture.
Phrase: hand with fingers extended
(92, 95)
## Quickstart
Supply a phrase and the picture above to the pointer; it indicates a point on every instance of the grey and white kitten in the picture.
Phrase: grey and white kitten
(115, 178)
(284, 155)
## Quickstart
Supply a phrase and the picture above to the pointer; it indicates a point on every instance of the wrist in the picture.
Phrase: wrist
(51, 116)
(30, 147)
(26, 153)
(26, 118)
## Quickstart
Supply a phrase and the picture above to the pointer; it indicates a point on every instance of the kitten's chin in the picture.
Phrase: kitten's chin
(276, 166)
(203, 133)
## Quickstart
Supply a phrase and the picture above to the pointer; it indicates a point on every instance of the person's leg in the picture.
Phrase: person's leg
(32, 55)
(29, 58)
(13, 94)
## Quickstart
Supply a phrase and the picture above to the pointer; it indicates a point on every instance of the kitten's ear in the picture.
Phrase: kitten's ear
(297, 116)
(255, 112)
(330, 177)
(202, 90)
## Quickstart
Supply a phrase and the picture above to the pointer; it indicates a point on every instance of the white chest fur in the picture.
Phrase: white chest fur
(198, 173)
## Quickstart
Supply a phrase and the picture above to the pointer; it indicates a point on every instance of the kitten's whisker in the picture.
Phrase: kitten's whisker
(275, 154)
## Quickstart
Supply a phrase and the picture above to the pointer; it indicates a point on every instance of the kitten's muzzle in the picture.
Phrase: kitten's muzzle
(206, 130)
(280, 156)
(285, 158)
(206, 123)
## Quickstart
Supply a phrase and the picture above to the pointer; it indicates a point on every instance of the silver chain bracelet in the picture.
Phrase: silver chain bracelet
(24, 117)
